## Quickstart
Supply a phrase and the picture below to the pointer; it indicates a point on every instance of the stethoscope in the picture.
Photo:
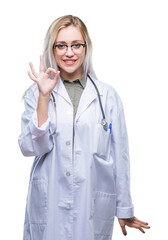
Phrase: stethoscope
(103, 121)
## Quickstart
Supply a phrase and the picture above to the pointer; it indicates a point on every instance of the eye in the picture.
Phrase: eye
(61, 46)
(76, 45)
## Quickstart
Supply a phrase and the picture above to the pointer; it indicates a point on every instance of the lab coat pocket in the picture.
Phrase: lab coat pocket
(104, 213)
(37, 201)
(102, 142)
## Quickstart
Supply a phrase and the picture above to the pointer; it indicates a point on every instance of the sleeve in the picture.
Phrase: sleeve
(34, 140)
(120, 150)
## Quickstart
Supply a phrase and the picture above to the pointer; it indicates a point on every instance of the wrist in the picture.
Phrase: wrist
(44, 94)
(44, 97)
(43, 101)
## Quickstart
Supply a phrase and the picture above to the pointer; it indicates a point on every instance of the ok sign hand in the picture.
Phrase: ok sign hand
(43, 80)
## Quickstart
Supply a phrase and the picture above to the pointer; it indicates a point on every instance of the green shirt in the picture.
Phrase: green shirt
(75, 90)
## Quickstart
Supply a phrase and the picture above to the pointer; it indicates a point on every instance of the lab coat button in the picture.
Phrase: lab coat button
(75, 214)
(78, 153)
(68, 143)
(68, 174)
(69, 206)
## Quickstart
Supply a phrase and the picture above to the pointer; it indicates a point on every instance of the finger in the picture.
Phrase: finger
(31, 76)
(56, 76)
(142, 222)
(124, 230)
(142, 225)
(142, 230)
(137, 226)
(41, 68)
(49, 70)
(33, 70)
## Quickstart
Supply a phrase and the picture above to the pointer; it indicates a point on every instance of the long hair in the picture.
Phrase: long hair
(63, 22)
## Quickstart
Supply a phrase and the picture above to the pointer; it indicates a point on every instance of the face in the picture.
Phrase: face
(70, 59)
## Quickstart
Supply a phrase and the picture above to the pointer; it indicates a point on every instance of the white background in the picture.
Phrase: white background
(130, 40)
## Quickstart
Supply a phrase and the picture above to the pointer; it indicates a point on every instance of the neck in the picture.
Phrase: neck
(71, 76)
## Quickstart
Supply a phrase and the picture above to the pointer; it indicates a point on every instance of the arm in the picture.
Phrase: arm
(45, 85)
(35, 138)
(125, 211)
(42, 109)
(120, 153)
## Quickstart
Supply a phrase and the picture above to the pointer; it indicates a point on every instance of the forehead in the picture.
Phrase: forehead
(69, 34)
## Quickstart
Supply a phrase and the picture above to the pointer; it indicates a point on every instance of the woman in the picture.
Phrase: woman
(80, 176)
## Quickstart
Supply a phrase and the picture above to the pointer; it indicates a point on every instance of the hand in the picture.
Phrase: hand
(134, 223)
(45, 83)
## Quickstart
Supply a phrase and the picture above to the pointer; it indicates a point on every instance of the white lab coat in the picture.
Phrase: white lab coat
(76, 188)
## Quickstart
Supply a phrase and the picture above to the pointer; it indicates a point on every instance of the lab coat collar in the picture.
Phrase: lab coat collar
(88, 95)
(61, 90)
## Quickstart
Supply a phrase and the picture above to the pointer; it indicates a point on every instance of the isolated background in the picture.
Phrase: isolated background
(130, 40)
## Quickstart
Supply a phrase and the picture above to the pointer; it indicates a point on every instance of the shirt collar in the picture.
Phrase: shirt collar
(82, 80)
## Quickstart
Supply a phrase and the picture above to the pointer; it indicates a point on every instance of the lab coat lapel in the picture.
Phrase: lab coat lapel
(88, 96)
(61, 90)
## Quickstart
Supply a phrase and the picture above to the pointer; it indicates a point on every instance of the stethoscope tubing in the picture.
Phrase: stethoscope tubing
(103, 122)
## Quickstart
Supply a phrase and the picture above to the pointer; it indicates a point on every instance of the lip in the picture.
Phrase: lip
(69, 62)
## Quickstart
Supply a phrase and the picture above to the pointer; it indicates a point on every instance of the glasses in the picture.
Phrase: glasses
(76, 47)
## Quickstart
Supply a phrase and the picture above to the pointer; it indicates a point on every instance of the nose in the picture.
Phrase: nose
(69, 52)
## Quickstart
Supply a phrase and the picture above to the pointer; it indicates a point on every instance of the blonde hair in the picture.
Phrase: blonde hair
(63, 22)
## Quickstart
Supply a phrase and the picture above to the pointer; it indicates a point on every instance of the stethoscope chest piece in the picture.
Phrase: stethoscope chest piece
(104, 124)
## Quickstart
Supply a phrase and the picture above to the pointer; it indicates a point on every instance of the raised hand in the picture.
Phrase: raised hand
(45, 83)
(133, 223)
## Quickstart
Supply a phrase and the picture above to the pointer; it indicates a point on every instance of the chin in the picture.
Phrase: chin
(72, 72)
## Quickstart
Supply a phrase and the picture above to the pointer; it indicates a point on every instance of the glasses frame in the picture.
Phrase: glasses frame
(66, 45)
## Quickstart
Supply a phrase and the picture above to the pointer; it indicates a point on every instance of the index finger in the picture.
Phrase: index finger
(41, 68)
(142, 222)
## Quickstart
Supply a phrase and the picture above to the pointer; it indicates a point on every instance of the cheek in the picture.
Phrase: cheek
(57, 57)
(82, 57)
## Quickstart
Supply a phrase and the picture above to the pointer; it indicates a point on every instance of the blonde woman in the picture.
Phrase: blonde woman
(74, 126)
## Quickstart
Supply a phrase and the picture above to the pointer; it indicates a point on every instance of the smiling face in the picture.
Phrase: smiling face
(70, 59)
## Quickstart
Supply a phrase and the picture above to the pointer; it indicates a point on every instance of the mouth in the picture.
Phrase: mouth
(69, 62)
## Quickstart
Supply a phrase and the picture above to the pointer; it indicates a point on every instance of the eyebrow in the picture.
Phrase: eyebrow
(74, 41)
